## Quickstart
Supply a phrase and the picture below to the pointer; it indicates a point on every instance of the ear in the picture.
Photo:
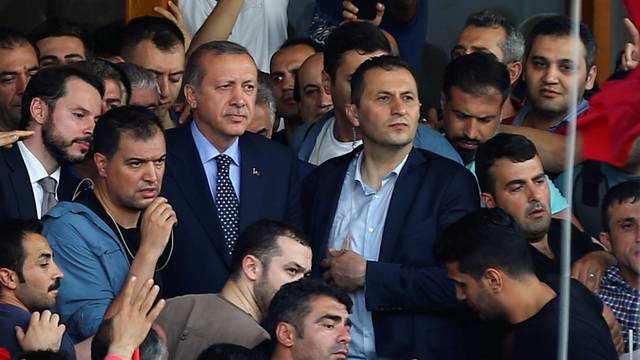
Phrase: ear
(605, 240)
(285, 334)
(9, 278)
(326, 82)
(493, 279)
(515, 69)
(591, 77)
(39, 110)
(352, 115)
(488, 200)
(251, 267)
(443, 101)
(190, 94)
(101, 164)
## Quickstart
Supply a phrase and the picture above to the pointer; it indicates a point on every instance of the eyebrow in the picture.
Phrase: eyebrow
(71, 56)
(332, 317)
(45, 256)
(49, 57)
(145, 160)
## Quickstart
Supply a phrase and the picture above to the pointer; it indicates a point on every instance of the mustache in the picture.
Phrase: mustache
(88, 138)
(467, 139)
(535, 206)
(339, 347)
(236, 111)
(54, 286)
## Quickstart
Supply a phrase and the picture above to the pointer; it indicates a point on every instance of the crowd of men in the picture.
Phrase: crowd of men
(310, 212)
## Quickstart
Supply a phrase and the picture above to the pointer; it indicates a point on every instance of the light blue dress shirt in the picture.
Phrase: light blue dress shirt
(208, 152)
(361, 214)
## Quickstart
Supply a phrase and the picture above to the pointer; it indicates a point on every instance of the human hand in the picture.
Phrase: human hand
(614, 328)
(589, 268)
(350, 13)
(174, 14)
(631, 55)
(44, 332)
(345, 268)
(157, 222)
(7, 138)
(137, 313)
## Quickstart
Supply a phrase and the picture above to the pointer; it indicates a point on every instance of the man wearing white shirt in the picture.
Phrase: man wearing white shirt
(61, 107)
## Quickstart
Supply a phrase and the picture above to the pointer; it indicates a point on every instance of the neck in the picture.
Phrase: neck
(220, 142)
(379, 161)
(281, 352)
(37, 148)
(543, 246)
(630, 276)
(9, 298)
(542, 120)
(86, 169)
(529, 295)
(343, 129)
(124, 217)
(239, 294)
(166, 121)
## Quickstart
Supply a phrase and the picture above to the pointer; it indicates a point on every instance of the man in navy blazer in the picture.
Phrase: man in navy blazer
(60, 106)
(374, 215)
(221, 85)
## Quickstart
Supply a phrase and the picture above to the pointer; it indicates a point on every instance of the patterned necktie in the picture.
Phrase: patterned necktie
(49, 197)
(227, 202)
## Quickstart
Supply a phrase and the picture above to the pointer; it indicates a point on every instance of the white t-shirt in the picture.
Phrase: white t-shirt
(327, 146)
(261, 26)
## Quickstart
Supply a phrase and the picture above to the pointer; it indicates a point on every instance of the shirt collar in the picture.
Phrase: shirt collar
(35, 169)
(208, 152)
(519, 119)
(358, 172)
(614, 276)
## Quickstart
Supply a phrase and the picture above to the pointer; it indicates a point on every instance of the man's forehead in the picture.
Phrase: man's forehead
(35, 245)
(18, 57)
(555, 47)
(148, 55)
(376, 80)
(508, 170)
(292, 52)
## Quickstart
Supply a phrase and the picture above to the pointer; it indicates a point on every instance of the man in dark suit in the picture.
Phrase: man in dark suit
(373, 216)
(60, 106)
(219, 178)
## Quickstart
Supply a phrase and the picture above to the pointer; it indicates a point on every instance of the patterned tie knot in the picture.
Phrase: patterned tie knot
(223, 161)
(48, 184)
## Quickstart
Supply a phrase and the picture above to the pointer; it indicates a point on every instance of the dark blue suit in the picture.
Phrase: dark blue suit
(16, 193)
(409, 296)
(268, 189)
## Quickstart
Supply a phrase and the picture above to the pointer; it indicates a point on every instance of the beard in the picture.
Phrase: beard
(264, 292)
(467, 155)
(57, 146)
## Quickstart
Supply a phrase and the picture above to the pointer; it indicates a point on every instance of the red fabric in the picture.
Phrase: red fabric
(5, 354)
(611, 125)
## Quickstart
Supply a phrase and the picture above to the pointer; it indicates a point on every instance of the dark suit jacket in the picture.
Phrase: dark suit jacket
(410, 297)
(200, 262)
(16, 193)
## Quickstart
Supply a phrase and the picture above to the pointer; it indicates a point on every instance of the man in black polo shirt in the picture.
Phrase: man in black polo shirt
(118, 230)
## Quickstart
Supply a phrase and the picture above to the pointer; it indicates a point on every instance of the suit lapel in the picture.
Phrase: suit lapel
(401, 203)
(192, 181)
(21, 183)
(252, 181)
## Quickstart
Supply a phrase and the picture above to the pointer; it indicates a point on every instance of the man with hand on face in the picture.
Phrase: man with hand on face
(29, 283)
(487, 257)
(60, 106)
(18, 63)
(377, 211)
(157, 45)
(117, 230)
(235, 177)
(269, 254)
(309, 320)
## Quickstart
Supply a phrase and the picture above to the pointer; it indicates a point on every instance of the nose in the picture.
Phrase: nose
(550, 75)
(288, 81)
(57, 273)
(345, 335)
(151, 172)
(238, 97)
(471, 129)
(163, 82)
(325, 99)
(398, 107)
(534, 192)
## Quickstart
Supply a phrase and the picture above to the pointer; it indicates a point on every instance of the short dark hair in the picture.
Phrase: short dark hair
(11, 39)
(106, 70)
(227, 352)
(385, 62)
(55, 27)
(301, 41)
(135, 121)
(477, 74)
(560, 26)
(627, 190)
(513, 44)
(11, 250)
(194, 71)
(354, 35)
(50, 84)
(485, 238)
(516, 148)
(163, 33)
(260, 239)
(293, 302)
(151, 348)
(107, 39)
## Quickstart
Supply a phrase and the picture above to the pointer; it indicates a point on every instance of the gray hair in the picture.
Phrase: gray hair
(139, 77)
(264, 94)
(513, 44)
(194, 72)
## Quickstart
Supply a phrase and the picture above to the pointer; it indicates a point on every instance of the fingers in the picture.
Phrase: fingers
(349, 11)
(633, 31)
(155, 312)
(175, 9)
(379, 14)
(127, 293)
(20, 335)
(9, 137)
(165, 13)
